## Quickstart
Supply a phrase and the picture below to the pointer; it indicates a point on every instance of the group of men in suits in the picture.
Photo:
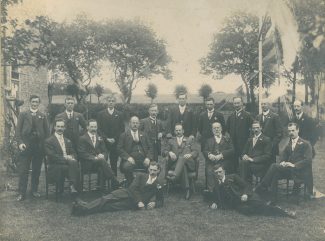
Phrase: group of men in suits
(226, 143)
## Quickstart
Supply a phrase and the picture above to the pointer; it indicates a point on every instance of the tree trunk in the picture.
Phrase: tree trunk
(312, 88)
(246, 87)
(294, 81)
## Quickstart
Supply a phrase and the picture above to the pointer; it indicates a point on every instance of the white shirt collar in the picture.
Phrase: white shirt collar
(91, 135)
(111, 111)
(211, 111)
(181, 108)
(294, 140)
(299, 115)
(59, 137)
(266, 112)
(223, 179)
(218, 138)
(33, 111)
(256, 137)
(68, 113)
(151, 180)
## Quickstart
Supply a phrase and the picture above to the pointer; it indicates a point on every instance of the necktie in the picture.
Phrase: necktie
(210, 114)
(254, 141)
(93, 139)
(135, 137)
(62, 144)
(70, 115)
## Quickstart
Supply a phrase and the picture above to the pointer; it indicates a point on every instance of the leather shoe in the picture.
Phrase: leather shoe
(187, 194)
(36, 194)
(21, 198)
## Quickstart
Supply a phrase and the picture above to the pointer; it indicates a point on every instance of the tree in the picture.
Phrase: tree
(180, 89)
(234, 50)
(310, 15)
(205, 91)
(151, 91)
(99, 90)
(134, 53)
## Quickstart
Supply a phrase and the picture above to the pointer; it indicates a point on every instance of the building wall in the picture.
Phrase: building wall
(33, 81)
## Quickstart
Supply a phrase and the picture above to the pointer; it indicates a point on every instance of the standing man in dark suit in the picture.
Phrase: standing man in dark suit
(62, 158)
(73, 122)
(154, 130)
(295, 163)
(271, 127)
(206, 119)
(183, 115)
(134, 150)
(232, 192)
(256, 155)
(307, 131)
(182, 158)
(93, 154)
(307, 125)
(145, 192)
(31, 132)
(110, 127)
(218, 150)
(238, 127)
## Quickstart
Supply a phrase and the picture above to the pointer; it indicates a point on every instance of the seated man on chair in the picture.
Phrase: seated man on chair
(134, 150)
(256, 154)
(62, 160)
(181, 158)
(145, 192)
(218, 150)
(93, 154)
(295, 163)
(232, 192)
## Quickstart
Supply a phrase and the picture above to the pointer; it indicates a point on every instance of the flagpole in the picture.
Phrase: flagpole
(260, 66)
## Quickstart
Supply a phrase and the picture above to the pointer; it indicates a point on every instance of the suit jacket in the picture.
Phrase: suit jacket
(54, 151)
(187, 119)
(124, 146)
(307, 128)
(87, 151)
(24, 127)
(205, 124)
(150, 129)
(186, 147)
(225, 147)
(261, 152)
(140, 191)
(229, 193)
(239, 129)
(77, 121)
(301, 156)
(271, 127)
(110, 126)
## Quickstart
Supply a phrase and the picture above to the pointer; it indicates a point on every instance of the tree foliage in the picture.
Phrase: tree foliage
(205, 91)
(151, 91)
(99, 91)
(234, 49)
(134, 53)
(180, 89)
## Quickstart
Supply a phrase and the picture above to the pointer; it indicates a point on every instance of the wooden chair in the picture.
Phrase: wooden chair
(47, 183)
(193, 175)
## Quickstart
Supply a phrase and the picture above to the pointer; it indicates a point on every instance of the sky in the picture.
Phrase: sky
(187, 27)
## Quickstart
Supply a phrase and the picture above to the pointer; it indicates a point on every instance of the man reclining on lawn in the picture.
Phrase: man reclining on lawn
(232, 192)
(145, 192)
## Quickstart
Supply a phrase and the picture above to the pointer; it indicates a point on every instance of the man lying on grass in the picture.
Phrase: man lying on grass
(145, 192)
(232, 192)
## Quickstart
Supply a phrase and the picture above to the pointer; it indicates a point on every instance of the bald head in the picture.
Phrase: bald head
(134, 123)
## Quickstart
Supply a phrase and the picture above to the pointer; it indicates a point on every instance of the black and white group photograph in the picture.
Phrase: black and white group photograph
(168, 120)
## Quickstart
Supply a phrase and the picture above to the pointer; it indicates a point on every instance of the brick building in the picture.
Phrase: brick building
(18, 83)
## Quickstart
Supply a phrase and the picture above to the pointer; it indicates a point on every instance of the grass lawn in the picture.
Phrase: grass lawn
(178, 220)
